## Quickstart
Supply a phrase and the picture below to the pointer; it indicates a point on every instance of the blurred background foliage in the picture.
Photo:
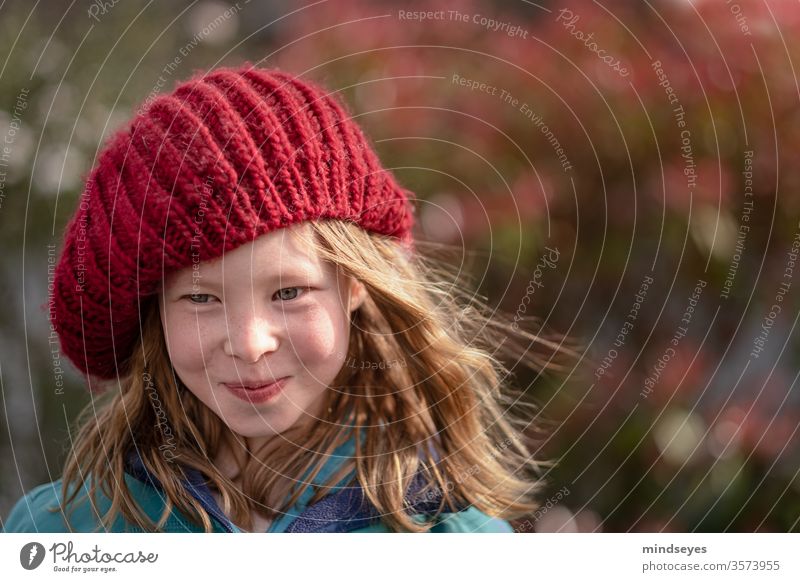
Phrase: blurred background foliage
(710, 443)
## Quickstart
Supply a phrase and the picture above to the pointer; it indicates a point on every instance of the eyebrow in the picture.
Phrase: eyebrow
(305, 271)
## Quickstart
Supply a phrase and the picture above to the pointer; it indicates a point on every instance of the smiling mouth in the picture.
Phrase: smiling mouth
(252, 385)
(257, 394)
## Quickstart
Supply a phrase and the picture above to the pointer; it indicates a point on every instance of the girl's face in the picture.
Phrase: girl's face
(267, 310)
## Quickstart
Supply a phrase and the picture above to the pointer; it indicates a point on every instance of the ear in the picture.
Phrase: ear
(358, 293)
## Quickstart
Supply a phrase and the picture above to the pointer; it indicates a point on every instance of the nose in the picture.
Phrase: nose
(250, 334)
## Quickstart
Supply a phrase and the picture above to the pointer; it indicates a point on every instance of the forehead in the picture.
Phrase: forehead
(275, 255)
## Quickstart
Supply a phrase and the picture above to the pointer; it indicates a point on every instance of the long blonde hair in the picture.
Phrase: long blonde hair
(446, 407)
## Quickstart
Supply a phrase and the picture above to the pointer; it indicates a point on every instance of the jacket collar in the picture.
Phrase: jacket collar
(195, 484)
(346, 508)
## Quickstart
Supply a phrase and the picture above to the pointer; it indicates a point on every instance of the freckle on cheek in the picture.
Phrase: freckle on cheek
(317, 336)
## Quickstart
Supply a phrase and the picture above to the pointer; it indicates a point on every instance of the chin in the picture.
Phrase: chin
(256, 434)
(261, 428)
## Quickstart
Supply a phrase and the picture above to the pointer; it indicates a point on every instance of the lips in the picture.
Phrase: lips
(256, 393)
(252, 384)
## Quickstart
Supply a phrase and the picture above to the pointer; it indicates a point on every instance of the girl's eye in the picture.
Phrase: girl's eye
(288, 293)
(199, 298)
(285, 294)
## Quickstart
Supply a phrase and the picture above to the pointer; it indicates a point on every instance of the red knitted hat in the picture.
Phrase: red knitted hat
(226, 157)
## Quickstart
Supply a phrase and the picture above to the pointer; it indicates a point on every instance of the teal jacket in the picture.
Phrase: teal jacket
(344, 509)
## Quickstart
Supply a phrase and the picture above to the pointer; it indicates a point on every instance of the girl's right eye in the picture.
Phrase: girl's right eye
(193, 298)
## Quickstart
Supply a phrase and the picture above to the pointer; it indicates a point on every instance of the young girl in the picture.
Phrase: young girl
(275, 351)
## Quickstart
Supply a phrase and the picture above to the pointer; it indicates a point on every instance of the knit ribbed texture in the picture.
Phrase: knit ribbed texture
(226, 157)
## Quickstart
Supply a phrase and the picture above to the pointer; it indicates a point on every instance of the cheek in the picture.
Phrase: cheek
(184, 339)
(321, 335)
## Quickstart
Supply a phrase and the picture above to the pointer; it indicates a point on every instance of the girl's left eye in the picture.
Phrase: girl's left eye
(288, 293)
(194, 296)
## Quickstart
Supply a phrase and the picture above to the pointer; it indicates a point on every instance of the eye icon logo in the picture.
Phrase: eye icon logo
(31, 555)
